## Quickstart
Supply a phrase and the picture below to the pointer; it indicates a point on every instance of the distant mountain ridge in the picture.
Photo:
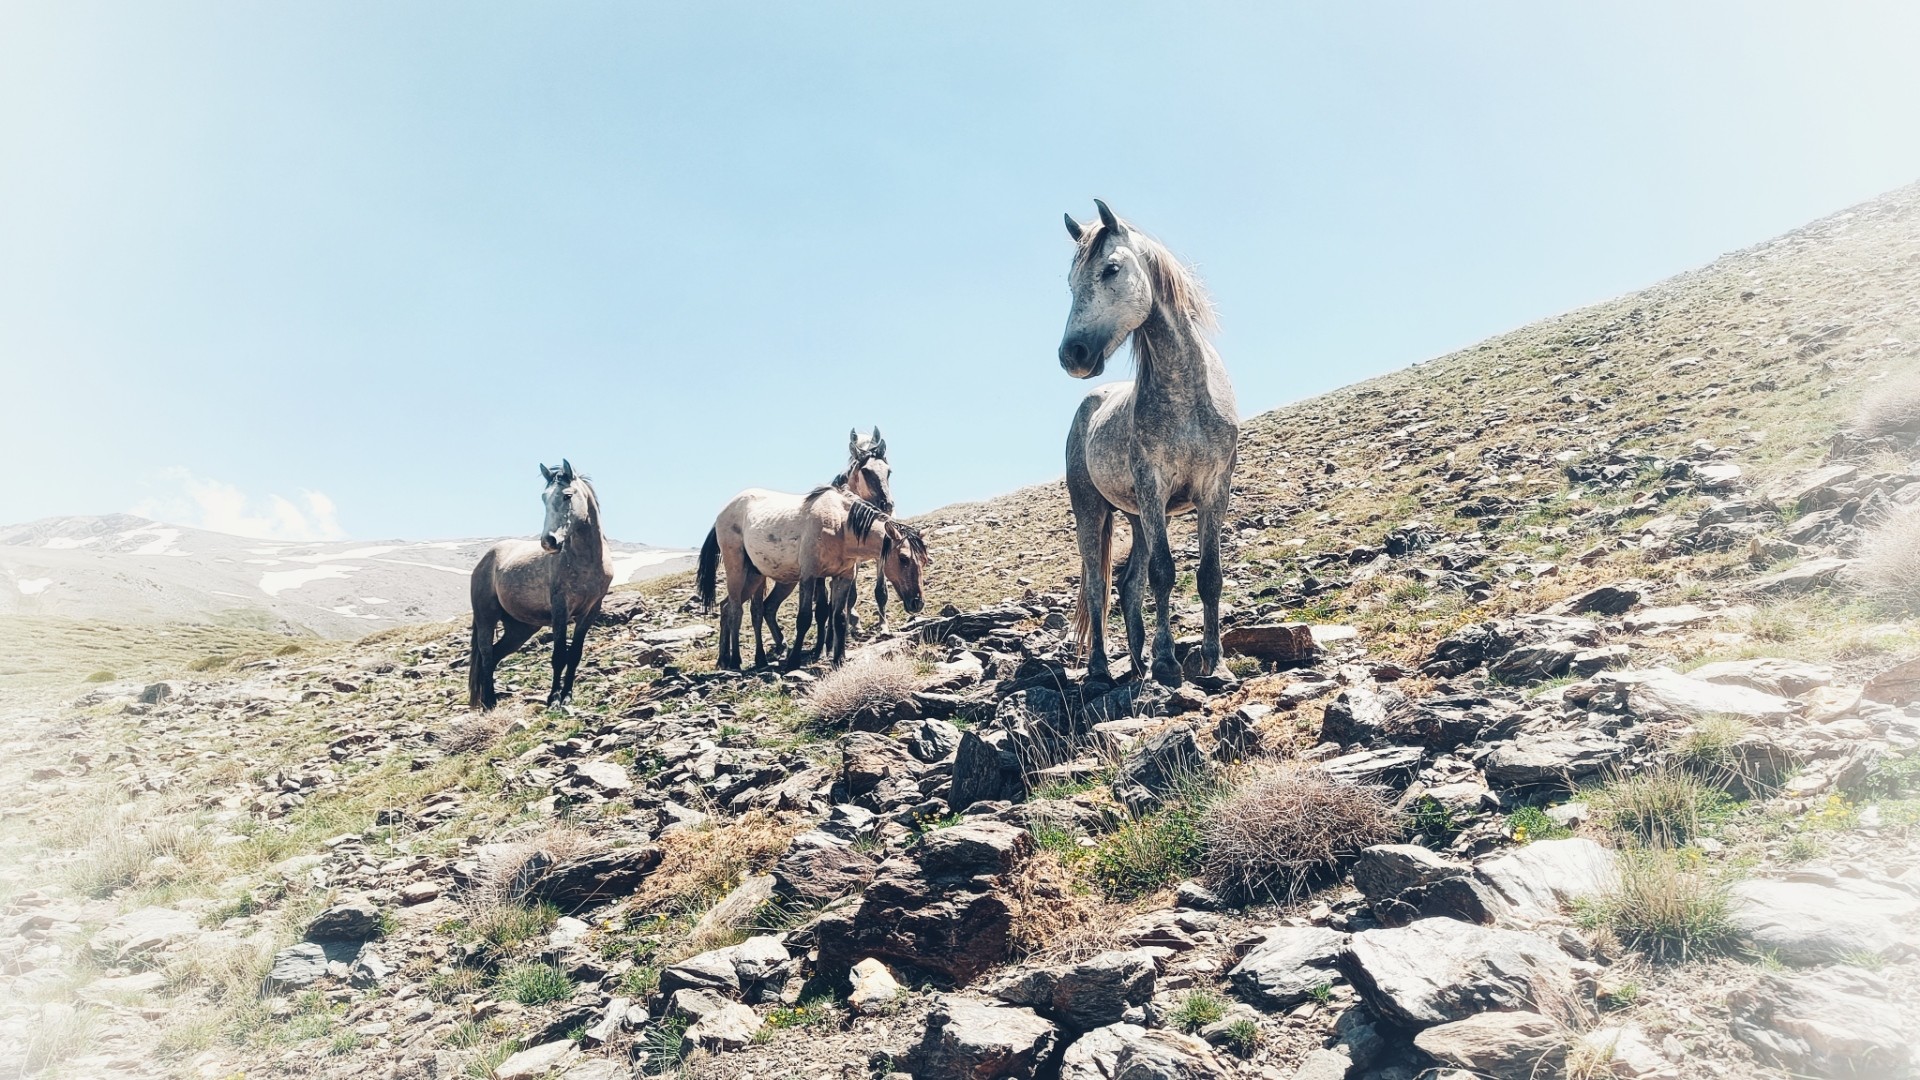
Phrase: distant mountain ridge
(128, 568)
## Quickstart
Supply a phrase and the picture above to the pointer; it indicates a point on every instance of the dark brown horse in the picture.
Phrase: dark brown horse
(525, 585)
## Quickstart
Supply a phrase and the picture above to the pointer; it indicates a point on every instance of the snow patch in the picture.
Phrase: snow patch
(274, 582)
(34, 586)
(63, 543)
(625, 566)
(375, 600)
(161, 544)
(347, 610)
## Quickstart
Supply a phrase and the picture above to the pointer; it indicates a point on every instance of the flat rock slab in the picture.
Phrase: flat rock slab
(1555, 759)
(969, 1039)
(143, 931)
(1817, 919)
(1539, 880)
(536, 1061)
(1288, 964)
(1658, 693)
(1498, 1045)
(1769, 675)
(1805, 577)
(1838, 1022)
(1436, 971)
(1898, 685)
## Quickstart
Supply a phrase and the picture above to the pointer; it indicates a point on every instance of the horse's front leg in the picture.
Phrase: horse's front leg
(1133, 583)
(557, 604)
(577, 650)
(805, 604)
(841, 606)
(1211, 513)
(1152, 543)
(759, 614)
(879, 599)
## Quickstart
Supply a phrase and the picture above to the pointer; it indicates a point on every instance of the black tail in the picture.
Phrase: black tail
(709, 573)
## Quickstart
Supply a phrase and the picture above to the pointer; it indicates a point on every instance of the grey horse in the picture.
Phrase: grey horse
(525, 585)
(1162, 444)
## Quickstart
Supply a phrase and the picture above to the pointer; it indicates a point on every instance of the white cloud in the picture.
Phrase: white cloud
(204, 503)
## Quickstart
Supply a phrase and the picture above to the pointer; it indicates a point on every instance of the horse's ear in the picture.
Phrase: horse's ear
(879, 445)
(853, 440)
(886, 545)
(1073, 228)
(546, 473)
(566, 470)
(1111, 222)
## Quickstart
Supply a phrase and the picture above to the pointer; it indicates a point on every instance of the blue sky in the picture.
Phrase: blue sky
(375, 261)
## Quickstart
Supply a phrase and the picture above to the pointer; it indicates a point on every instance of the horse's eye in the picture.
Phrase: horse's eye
(1111, 270)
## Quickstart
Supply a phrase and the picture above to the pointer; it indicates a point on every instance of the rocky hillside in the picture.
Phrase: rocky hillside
(130, 569)
(1574, 734)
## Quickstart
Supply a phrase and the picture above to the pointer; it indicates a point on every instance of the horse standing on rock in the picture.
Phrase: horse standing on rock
(1162, 444)
(525, 585)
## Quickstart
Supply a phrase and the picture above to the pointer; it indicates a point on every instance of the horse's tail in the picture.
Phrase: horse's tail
(1083, 611)
(709, 575)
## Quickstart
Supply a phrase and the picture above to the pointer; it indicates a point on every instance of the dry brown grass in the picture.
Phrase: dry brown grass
(868, 680)
(1056, 920)
(1889, 566)
(699, 866)
(1890, 408)
(1269, 834)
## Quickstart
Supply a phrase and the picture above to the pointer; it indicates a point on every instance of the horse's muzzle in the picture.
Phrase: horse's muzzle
(913, 604)
(1079, 360)
(549, 543)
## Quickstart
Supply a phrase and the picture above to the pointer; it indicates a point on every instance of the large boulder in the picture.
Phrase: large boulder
(1662, 694)
(1485, 643)
(986, 768)
(1818, 919)
(1498, 1045)
(1288, 965)
(812, 877)
(1436, 971)
(1404, 882)
(583, 881)
(1542, 879)
(1157, 767)
(1090, 994)
(942, 908)
(968, 1039)
(1363, 717)
(352, 917)
(1838, 1022)
(1769, 675)
(736, 970)
(1551, 759)
(867, 759)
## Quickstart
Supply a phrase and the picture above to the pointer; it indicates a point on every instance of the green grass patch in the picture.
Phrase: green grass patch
(534, 984)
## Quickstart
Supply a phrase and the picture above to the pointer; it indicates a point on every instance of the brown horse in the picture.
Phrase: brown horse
(867, 477)
(830, 558)
(792, 540)
(526, 585)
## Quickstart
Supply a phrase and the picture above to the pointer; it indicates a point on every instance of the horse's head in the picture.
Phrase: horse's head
(903, 559)
(1112, 288)
(868, 475)
(562, 499)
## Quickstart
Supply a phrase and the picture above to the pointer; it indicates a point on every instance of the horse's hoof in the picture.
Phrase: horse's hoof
(1166, 672)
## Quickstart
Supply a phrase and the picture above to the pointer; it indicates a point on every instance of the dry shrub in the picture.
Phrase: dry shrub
(1272, 832)
(1891, 408)
(477, 731)
(1056, 920)
(868, 680)
(699, 866)
(1889, 567)
(507, 872)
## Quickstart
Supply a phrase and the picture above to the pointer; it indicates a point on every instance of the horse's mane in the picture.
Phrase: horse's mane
(1175, 286)
(861, 514)
(916, 544)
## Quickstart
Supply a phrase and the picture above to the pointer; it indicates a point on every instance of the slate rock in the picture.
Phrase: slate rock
(1090, 994)
(1157, 767)
(1287, 965)
(1605, 600)
(1542, 879)
(1660, 693)
(1837, 1022)
(1498, 1045)
(1095, 1055)
(1814, 918)
(1555, 759)
(1384, 871)
(867, 759)
(729, 1028)
(1898, 685)
(932, 740)
(968, 1039)
(1322, 1064)
(1800, 578)
(941, 909)
(1769, 675)
(986, 768)
(536, 1061)
(1279, 643)
(814, 876)
(583, 881)
(1436, 971)
(1389, 766)
(351, 918)
(874, 987)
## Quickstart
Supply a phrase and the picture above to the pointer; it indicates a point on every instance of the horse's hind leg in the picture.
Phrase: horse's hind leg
(800, 625)
(840, 605)
(1208, 579)
(480, 662)
(1093, 530)
(758, 610)
(879, 598)
(513, 634)
(1133, 579)
(774, 599)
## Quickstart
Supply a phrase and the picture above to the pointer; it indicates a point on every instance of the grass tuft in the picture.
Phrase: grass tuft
(1270, 834)
(1664, 907)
